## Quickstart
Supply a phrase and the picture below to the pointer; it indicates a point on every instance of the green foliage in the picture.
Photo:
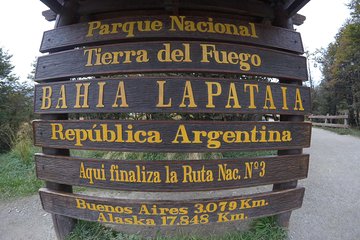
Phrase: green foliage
(340, 89)
(17, 168)
(354, 6)
(344, 131)
(182, 156)
(149, 156)
(23, 145)
(16, 100)
(86, 153)
(248, 154)
(24, 151)
(261, 229)
(6, 67)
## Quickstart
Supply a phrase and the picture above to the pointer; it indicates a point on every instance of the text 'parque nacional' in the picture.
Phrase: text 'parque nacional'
(177, 23)
(172, 27)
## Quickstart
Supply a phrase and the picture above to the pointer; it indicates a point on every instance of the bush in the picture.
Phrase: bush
(22, 147)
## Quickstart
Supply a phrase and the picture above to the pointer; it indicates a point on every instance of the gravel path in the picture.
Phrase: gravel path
(24, 219)
(331, 209)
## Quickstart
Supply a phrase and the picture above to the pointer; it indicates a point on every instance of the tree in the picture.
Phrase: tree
(340, 88)
(15, 102)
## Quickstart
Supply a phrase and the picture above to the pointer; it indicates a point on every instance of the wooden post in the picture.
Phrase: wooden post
(63, 225)
(283, 20)
(326, 120)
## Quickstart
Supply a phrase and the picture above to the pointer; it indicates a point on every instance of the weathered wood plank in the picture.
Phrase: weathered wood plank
(170, 28)
(283, 20)
(298, 19)
(171, 136)
(172, 56)
(295, 7)
(328, 117)
(248, 8)
(49, 15)
(334, 125)
(63, 225)
(54, 5)
(171, 175)
(155, 94)
(173, 213)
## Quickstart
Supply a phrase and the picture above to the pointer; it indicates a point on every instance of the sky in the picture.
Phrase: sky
(22, 26)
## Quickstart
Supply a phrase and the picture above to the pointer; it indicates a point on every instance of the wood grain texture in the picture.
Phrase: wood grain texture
(171, 136)
(196, 57)
(248, 8)
(142, 95)
(63, 225)
(191, 175)
(282, 20)
(148, 213)
(75, 35)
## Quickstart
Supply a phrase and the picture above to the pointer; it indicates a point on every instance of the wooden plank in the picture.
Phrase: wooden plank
(331, 125)
(171, 136)
(328, 117)
(49, 15)
(171, 175)
(282, 20)
(170, 56)
(170, 28)
(63, 225)
(298, 19)
(248, 8)
(171, 94)
(295, 7)
(54, 5)
(170, 213)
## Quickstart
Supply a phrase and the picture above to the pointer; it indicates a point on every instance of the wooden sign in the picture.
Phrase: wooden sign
(171, 56)
(171, 136)
(215, 38)
(180, 94)
(170, 213)
(172, 175)
(170, 28)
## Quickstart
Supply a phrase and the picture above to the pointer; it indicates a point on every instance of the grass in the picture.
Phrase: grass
(261, 229)
(344, 131)
(17, 178)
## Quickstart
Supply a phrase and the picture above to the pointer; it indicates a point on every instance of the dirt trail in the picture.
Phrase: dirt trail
(331, 209)
(24, 219)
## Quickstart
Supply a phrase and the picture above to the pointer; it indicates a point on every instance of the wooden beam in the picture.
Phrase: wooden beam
(63, 225)
(49, 15)
(328, 117)
(282, 19)
(330, 125)
(248, 8)
(54, 5)
(298, 19)
(295, 7)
